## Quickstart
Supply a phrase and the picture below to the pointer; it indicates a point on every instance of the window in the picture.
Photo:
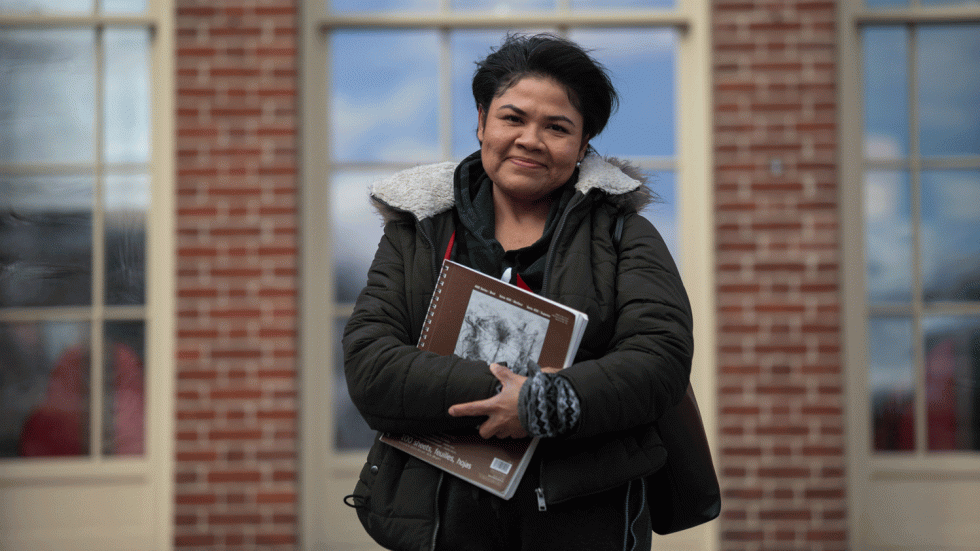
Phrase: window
(911, 174)
(401, 96)
(922, 233)
(388, 87)
(81, 182)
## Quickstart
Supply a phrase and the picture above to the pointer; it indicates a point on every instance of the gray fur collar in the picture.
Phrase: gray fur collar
(427, 190)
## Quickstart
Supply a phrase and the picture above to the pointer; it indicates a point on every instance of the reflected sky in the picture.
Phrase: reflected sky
(948, 66)
(385, 98)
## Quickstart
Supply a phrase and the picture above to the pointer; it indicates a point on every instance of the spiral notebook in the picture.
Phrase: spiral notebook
(479, 317)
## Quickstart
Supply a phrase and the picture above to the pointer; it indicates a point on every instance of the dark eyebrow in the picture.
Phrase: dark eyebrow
(522, 113)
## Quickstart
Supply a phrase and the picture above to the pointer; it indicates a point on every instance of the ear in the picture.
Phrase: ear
(480, 123)
(584, 148)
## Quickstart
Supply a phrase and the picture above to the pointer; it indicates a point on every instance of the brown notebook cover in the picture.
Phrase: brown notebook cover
(482, 318)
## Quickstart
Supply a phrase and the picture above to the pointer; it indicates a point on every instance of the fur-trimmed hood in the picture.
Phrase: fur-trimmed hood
(427, 190)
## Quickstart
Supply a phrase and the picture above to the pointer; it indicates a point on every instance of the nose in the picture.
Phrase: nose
(530, 137)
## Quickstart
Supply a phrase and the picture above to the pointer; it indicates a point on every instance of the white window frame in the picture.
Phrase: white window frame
(153, 471)
(866, 468)
(692, 164)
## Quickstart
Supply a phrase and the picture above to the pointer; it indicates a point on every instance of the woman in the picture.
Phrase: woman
(537, 202)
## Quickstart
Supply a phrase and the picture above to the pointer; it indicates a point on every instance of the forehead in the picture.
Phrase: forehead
(536, 89)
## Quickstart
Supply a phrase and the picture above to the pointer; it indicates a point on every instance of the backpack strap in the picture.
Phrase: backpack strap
(618, 230)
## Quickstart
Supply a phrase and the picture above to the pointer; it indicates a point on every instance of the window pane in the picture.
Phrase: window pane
(503, 6)
(948, 65)
(466, 48)
(663, 214)
(47, 96)
(357, 229)
(891, 383)
(127, 199)
(951, 235)
(46, 6)
(352, 431)
(618, 4)
(126, 113)
(384, 105)
(886, 102)
(952, 371)
(123, 6)
(642, 67)
(123, 398)
(888, 236)
(382, 5)
(45, 241)
(44, 388)
(948, 2)
(887, 3)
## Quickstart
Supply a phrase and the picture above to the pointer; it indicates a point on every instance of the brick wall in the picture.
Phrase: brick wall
(781, 417)
(236, 403)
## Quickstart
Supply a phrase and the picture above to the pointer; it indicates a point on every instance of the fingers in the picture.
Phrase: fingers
(472, 409)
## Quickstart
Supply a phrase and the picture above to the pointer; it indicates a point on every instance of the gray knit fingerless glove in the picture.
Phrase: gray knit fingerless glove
(548, 405)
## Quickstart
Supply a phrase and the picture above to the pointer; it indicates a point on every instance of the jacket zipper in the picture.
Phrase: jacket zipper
(551, 248)
(435, 528)
(539, 491)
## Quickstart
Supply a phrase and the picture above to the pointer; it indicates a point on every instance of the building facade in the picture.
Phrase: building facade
(173, 377)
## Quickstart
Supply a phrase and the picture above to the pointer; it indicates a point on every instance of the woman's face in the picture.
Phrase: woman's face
(530, 139)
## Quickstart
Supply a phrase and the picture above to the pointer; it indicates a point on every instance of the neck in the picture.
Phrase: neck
(519, 225)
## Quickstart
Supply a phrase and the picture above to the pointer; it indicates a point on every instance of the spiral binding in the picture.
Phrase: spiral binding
(433, 303)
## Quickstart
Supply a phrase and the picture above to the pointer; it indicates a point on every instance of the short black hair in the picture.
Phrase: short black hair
(587, 81)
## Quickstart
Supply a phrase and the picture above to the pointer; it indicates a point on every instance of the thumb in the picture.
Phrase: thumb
(502, 373)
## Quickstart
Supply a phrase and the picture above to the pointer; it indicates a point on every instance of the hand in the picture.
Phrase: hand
(500, 410)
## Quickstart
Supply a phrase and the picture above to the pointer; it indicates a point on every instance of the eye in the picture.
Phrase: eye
(559, 128)
(511, 118)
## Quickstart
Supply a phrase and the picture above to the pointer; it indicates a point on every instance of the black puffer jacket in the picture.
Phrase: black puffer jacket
(633, 363)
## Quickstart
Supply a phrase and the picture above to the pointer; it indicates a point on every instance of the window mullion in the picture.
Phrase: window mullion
(915, 183)
(97, 373)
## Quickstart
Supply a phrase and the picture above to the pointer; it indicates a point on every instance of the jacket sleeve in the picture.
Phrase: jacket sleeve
(395, 386)
(647, 366)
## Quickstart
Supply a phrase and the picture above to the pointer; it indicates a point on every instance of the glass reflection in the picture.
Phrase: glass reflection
(642, 67)
(385, 98)
(886, 102)
(47, 95)
(45, 241)
(122, 6)
(948, 65)
(46, 6)
(891, 383)
(951, 235)
(357, 229)
(503, 6)
(382, 5)
(466, 48)
(126, 111)
(123, 393)
(952, 390)
(44, 389)
(663, 214)
(352, 431)
(619, 4)
(127, 198)
(888, 236)
(886, 3)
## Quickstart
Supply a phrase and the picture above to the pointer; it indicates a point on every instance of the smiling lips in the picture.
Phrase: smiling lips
(526, 163)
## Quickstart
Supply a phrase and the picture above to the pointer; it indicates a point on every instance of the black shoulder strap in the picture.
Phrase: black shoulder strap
(618, 231)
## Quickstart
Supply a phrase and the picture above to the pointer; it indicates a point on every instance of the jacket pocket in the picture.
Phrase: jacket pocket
(396, 498)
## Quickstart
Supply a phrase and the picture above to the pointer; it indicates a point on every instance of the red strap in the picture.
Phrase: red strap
(449, 249)
(517, 277)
